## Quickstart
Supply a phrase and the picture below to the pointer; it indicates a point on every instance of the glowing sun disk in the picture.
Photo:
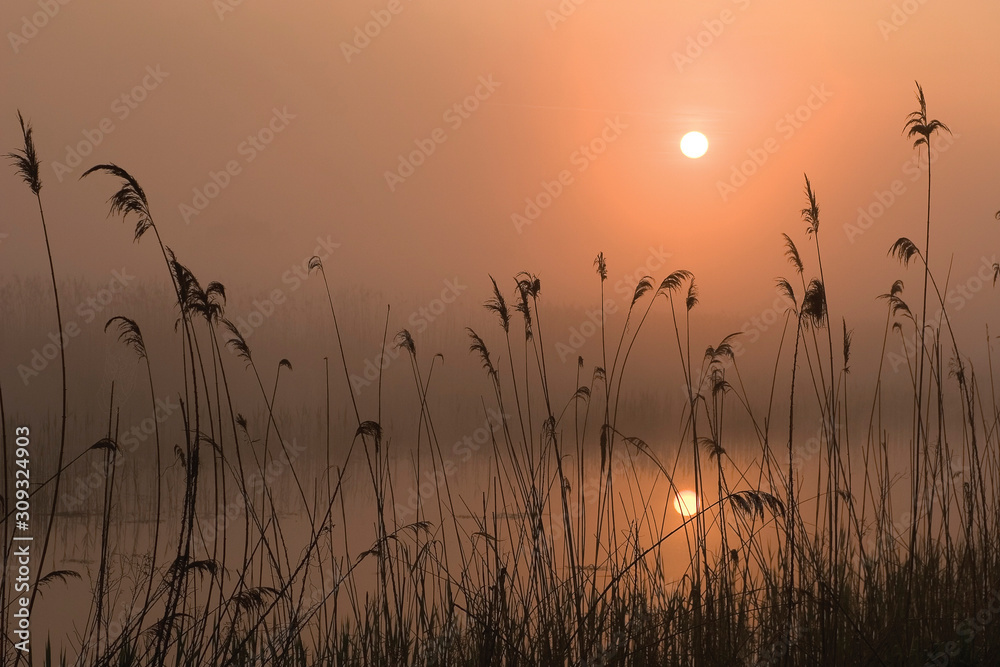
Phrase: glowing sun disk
(694, 144)
(686, 503)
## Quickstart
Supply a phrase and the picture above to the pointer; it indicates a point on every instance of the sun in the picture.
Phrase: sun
(694, 144)
(686, 503)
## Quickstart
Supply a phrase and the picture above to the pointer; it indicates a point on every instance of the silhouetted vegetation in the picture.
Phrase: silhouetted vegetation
(562, 558)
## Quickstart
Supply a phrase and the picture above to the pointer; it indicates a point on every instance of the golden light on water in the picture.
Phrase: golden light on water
(686, 503)
(694, 144)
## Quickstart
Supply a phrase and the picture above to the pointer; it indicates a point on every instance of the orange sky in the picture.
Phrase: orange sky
(557, 75)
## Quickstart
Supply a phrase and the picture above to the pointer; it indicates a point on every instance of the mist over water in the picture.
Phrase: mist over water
(466, 420)
(391, 333)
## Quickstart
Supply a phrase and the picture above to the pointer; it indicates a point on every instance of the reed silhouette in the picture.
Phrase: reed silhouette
(567, 555)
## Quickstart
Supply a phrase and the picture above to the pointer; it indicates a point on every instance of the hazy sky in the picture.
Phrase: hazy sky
(596, 94)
